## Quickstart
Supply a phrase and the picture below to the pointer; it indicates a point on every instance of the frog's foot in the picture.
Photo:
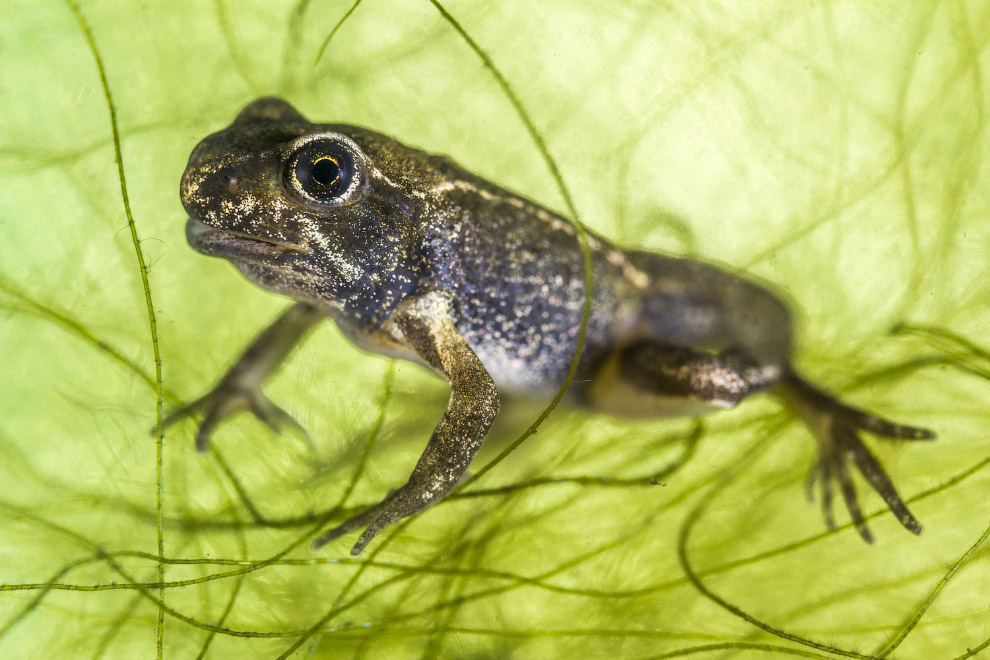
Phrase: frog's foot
(836, 427)
(224, 400)
(240, 387)
(429, 483)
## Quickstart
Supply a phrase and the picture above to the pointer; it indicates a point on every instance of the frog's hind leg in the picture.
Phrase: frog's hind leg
(836, 426)
(651, 379)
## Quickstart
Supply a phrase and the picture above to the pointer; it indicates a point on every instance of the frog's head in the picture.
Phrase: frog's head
(321, 212)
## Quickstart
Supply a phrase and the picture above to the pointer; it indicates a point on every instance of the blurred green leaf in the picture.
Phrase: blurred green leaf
(836, 150)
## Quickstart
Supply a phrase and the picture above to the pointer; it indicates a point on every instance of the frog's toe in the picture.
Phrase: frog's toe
(179, 413)
(276, 418)
(372, 515)
(822, 474)
(884, 428)
(847, 487)
(874, 473)
(213, 417)
(842, 445)
(373, 530)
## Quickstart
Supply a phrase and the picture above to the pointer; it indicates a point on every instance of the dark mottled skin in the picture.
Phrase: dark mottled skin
(423, 260)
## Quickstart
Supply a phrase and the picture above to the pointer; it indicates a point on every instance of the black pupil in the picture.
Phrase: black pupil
(322, 173)
(325, 171)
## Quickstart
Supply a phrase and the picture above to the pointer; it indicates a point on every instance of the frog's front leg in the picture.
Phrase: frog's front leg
(240, 387)
(427, 327)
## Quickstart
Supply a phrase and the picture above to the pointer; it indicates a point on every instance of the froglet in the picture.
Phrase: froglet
(416, 258)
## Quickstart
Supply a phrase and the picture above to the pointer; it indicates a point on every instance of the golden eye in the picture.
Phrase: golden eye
(321, 171)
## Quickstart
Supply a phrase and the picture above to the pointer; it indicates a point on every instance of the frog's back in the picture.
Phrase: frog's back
(517, 275)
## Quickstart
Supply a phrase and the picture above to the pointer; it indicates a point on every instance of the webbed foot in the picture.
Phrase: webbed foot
(837, 428)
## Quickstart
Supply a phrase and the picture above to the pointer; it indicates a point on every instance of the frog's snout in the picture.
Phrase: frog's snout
(188, 188)
(206, 183)
(193, 190)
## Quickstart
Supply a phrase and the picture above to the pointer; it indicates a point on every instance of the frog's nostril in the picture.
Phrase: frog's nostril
(228, 181)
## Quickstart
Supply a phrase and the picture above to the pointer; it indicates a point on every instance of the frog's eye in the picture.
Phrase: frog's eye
(323, 171)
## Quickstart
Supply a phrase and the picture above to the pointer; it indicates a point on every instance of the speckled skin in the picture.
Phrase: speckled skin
(423, 260)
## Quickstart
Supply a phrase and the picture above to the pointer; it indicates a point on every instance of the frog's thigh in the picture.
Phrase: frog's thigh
(648, 379)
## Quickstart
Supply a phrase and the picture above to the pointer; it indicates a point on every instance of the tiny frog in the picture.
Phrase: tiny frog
(416, 258)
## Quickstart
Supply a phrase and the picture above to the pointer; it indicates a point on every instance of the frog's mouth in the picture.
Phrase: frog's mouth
(238, 246)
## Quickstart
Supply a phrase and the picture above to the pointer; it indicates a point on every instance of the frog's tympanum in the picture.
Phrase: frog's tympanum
(416, 258)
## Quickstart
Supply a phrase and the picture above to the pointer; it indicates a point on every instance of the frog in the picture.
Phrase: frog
(416, 258)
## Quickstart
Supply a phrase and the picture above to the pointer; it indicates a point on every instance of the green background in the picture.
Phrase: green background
(835, 149)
